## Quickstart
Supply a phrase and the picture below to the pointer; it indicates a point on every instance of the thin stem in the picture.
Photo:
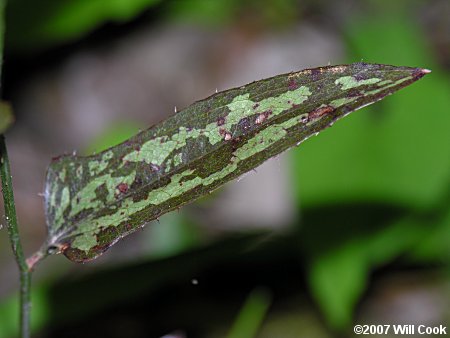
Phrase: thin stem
(10, 211)
(13, 232)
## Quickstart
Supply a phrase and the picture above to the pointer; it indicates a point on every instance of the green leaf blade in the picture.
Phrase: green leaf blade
(92, 202)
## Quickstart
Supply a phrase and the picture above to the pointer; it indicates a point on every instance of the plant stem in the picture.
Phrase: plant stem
(10, 211)
(13, 232)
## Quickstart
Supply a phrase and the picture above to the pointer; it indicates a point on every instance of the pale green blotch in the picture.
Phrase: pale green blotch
(393, 84)
(174, 188)
(87, 197)
(349, 82)
(178, 159)
(263, 140)
(382, 83)
(383, 86)
(85, 241)
(168, 165)
(343, 101)
(218, 175)
(63, 204)
(79, 171)
(62, 174)
(54, 190)
(242, 107)
(86, 231)
(96, 167)
(156, 151)
(107, 156)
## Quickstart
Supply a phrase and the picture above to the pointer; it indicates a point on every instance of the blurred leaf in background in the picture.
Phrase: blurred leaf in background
(273, 13)
(9, 308)
(6, 117)
(173, 234)
(112, 135)
(35, 25)
(251, 315)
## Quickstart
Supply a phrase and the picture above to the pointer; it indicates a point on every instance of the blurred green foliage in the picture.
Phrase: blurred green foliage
(36, 25)
(9, 309)
(112, 135)
(251, 315)
(272, 13)
(173, 234)
(6, 116)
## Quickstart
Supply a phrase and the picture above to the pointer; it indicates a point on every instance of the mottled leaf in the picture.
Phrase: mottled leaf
(92, 202)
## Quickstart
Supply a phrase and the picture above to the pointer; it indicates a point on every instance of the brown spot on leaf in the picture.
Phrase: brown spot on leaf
(245, 123)
(155, 167)
(263, 116)
(57, 158)
(292, 85)
(315, 74)
(256, 105)
(316, 113)
(227, 137)
(123, 188)
(221, 121)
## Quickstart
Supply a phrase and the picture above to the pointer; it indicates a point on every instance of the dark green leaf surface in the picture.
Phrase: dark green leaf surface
(91, 202)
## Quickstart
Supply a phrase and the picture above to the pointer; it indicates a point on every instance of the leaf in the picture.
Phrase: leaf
(92, 202)
(251, 315)
(112, 135)
(35, 25)
(6, 116)
(358, 240)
